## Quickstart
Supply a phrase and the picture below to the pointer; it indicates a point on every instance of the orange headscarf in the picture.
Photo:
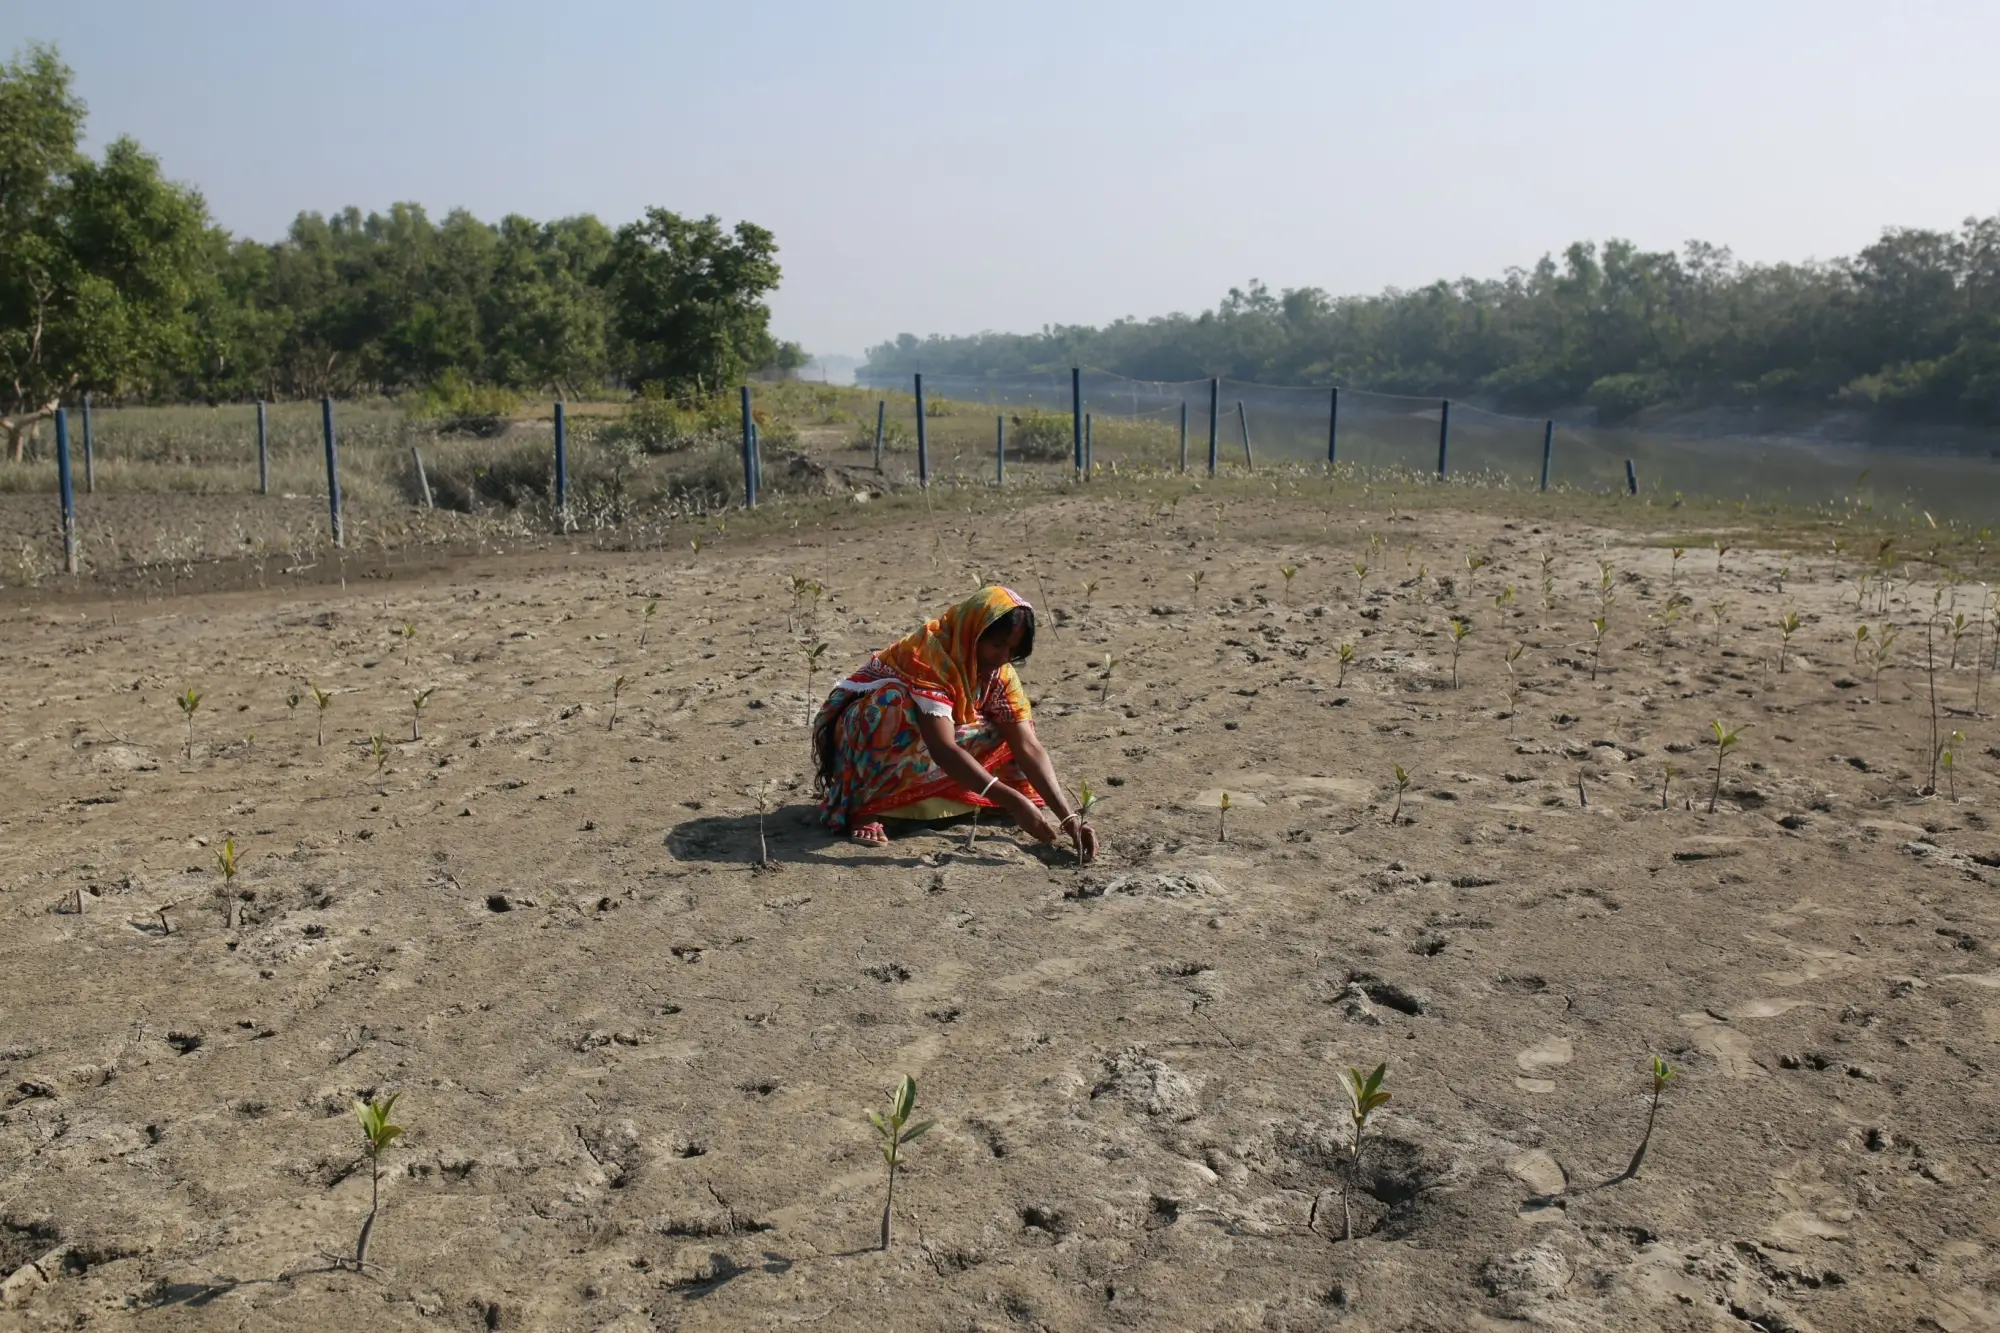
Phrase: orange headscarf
(940, 662)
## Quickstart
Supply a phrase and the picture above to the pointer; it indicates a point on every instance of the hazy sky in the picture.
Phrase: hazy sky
(947, 167)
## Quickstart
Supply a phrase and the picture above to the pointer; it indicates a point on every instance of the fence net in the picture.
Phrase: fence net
(1140, 420)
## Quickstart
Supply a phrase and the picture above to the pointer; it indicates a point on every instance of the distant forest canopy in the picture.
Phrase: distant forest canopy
(1909, 328)
(114, 279)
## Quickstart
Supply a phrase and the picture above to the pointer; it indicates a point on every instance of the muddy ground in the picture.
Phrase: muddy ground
(633, 1064)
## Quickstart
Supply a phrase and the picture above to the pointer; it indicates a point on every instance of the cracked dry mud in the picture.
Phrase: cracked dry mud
(633, 1065)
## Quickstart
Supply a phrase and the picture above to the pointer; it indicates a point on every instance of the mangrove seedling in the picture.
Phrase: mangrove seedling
(1720, 610)
(225, 865)
(1290, 572)
(1086, 801)
(646, 618)
(1878, 655)
(187, 701)
(1721, 549)
(1674, 569)
(763, 808)
(1598, 627)
(1787, 627)
(1725, 741)
(1948, 759)
(378, 747)
(1089, 590)
(1360, 578)
(1402, 785)
(1365, 1096)
(1860, 638)
(1959, 625)
(1663, 1073)
(1195, 579)
(1667, 777)
(417, 702)
(1784, 572)
(897, 1133)
(1459, 629)
(1514, 652)
(1346, 661)
(1504, 598)
(292, 702)
(379, 1133)
(409, 632)
(1222, 819)
(812, 655)
(322, 700)
(1109, 662)
(617, 688)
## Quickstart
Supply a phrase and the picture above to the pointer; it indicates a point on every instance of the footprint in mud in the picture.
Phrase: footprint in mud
(1538, 1171)
(1550, 1053)
(1730, 1048)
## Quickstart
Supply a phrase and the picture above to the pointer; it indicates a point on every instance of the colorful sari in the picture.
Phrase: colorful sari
(873, 760)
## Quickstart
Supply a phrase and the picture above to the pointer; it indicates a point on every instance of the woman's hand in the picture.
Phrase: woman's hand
(1082, 837)
(1025, 812)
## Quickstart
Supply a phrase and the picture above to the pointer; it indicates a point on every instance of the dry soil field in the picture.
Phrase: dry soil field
(634, 1064)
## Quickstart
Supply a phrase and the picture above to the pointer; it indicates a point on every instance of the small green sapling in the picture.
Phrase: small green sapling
(617, 688)
(187, 701)
(379, 1134)
(1402, 785)
(322, 700)
(417, 702)
(1663, 1073)
(897, 1133)
(1365, 1096)
(1725, 741)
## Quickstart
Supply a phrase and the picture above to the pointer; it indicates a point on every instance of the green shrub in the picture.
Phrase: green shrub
(453, 405)
(1041, 437)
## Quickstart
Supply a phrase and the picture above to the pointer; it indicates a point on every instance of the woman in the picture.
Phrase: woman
(936, 725)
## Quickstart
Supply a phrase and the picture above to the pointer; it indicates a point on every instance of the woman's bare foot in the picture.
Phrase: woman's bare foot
(871, 835)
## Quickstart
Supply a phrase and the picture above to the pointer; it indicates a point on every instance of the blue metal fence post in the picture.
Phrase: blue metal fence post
(1214, 422)
(1444, 432)
(1076, 413)
(1243, 420)
(1000, 451)
(89, 452)
(1333, 428)
(263, 451)
(68, 493)
(923, 439)
(1548, 447)
(1183, 436)
(1631, 479)
(332, 469)
(881, 420)
(562, 469)
(749, 468)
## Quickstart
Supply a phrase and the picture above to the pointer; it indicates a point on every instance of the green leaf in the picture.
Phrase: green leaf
(875, 1119)
(915, 1132)
(906, 1099)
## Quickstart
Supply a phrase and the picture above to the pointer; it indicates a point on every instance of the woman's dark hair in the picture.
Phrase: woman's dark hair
(1003, 629)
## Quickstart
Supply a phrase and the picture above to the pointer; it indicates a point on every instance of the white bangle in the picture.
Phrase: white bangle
(1077, 816)
(989, 786)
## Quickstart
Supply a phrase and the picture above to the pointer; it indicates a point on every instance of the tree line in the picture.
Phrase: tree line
(1908, 328)
(115, 280)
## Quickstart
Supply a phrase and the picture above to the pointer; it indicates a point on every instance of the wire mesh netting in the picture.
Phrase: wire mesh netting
(1242, 423)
